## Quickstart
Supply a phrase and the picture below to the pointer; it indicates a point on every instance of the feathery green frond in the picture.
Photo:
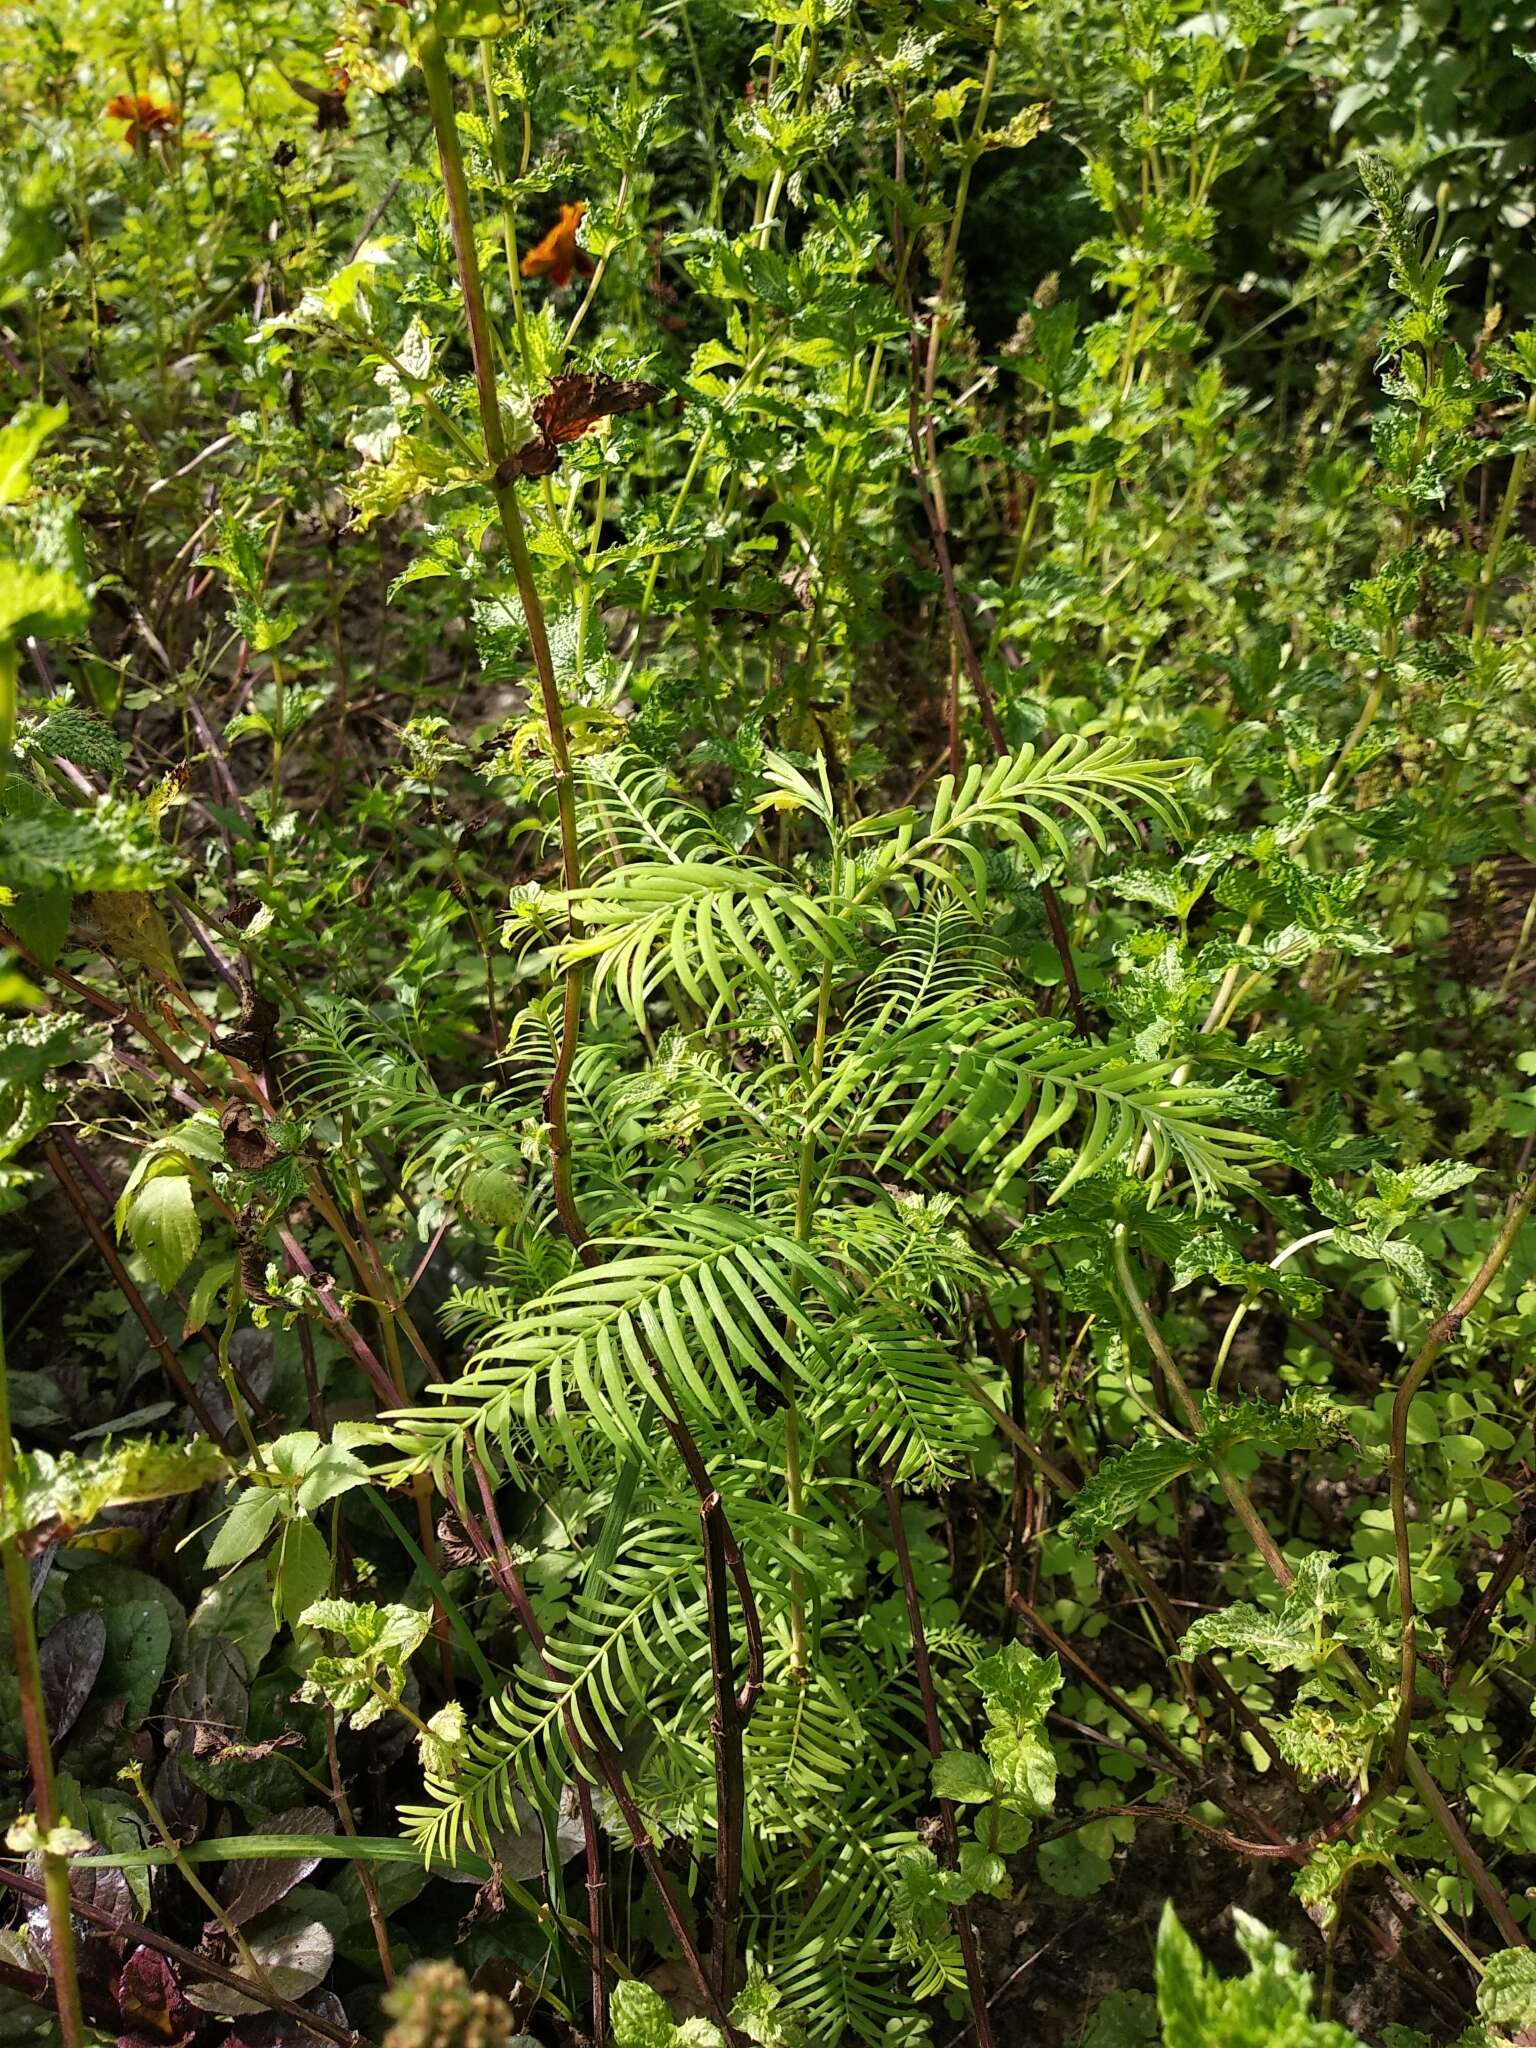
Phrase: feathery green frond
(713, 925)
(627, 813)
(709, 1304)
(628, 1642)
(1013, 802)
(987, 1086)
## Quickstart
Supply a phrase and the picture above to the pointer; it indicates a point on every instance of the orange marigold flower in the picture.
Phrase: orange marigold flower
(559, 253)
(144, 116)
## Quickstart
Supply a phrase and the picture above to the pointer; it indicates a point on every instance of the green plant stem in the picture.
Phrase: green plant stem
(493, 1552)
(962, 193)
(160, 1344)
(1416, 1892)
(1036, 496)
(375, 1278)
(794, 1477)
(194, 1883)
(279, 713)
(1239, 1315)
(396, 1705)
(1162, 1624)
(232, 1391)
(508, 222)
(594, 282)
(1178, 1386)
(9, 667)
(34, 1721)
(439, 85)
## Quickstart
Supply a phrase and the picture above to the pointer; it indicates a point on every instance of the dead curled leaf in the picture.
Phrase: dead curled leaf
(257, 1752)
(246, 1144)
(251, 1040)
(571, 407)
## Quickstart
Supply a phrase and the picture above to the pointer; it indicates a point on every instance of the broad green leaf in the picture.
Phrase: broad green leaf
(1128, 1479)
(163, 1227)
(1017, 1687)
(211, 1282)
(120, 1827)
(58, 1495)
(20, 440)
(641, 2019)
(302, 1568)
(245, 1527)
(1070, 1867)
(69, 734)
(1126, 2019)
(138, 1645)
(330, 1472)
(961, 1775)
(379, 1642)
(982, 1870)
(758, 2012)
(1125, 1482)
(40, 599)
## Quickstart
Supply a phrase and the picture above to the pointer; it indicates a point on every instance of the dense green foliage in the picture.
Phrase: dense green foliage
(766, 921)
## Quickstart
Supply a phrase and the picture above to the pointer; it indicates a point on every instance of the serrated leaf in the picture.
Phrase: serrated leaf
(162, 1227)
(982, 1870)
(1126, 2019)
(54, 1496)
(70, 734)
(1124, 1483)
(1071, 1868)
(641, 2019)
(1017, 1687)
(245, 1527)
(961, 1775)
(1269, 2008)
(379, 1642)
(1506, 1997)
(1279, 1638)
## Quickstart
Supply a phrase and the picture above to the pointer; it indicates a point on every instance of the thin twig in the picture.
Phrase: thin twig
(125, 1930)
(976, 1984)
